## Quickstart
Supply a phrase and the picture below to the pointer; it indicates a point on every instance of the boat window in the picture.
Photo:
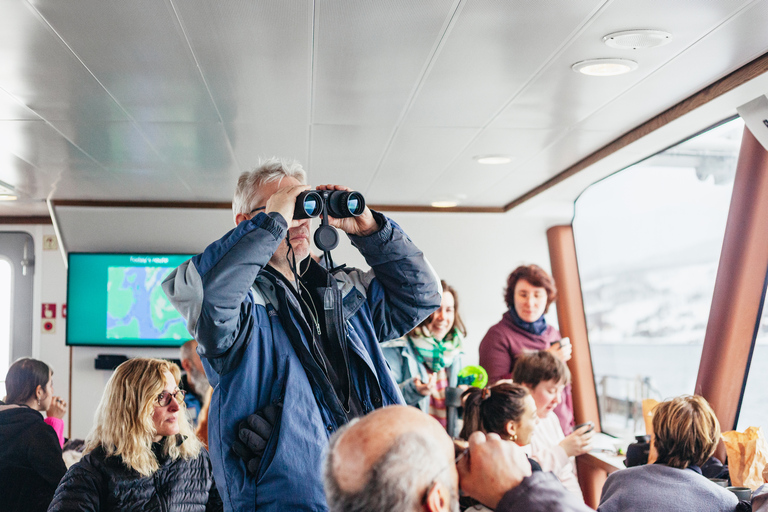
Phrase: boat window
(753, 411)
(648, 242)
(5, 322)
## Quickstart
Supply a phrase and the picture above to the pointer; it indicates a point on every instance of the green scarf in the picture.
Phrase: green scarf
(434, 354)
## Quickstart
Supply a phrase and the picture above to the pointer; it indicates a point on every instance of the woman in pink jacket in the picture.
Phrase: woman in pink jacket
(523, 329)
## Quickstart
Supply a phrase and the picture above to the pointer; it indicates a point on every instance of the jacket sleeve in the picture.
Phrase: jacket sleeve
(79, 491)
(397, 367)
(212, 290)
(541, 492)
(57, 424)
(495, 356)
(402, 287)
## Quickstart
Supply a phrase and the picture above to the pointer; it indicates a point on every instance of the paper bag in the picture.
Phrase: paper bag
(649, 404)
(747, 456)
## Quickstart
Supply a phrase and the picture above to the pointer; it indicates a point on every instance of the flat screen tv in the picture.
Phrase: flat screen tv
(116, 300)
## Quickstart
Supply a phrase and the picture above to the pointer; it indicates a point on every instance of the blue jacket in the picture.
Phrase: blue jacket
(231, 308)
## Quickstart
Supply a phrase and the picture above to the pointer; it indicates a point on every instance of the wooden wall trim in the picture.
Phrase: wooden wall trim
(33, 219)
(573, 324)
(741, 274)
(726, 84)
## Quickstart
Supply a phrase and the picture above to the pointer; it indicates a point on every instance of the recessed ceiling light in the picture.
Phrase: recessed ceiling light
(636, 39)
(604, 67)
(8, 197)
(444, 204)
(493, 159)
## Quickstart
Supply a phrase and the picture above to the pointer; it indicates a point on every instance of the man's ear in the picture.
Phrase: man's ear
(186, 364)
(240, 217)
(438, 498)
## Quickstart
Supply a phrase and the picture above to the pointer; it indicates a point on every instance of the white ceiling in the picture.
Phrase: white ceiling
(169, 100)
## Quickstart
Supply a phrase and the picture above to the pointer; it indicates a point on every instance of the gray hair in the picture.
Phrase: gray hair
(397, 481)
(269, 170)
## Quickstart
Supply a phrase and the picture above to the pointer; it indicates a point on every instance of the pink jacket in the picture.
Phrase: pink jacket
(58, 426)
(504, 342)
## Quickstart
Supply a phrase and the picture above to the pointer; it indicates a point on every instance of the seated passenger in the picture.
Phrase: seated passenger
(426, 361)
(686, 433)
(30, 451)
(545, 376)
(141, 453)
(505, 409)
(399, 459)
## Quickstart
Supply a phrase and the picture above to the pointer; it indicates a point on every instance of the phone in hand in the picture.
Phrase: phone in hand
(590, 429)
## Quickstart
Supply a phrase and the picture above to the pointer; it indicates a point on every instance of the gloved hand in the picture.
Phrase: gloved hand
(253, 434)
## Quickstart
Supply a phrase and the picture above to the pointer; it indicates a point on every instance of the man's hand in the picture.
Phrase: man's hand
(58, 408)
(425, 388)
(492, 468)
(362, 225)
(284, 202)
(253, 434)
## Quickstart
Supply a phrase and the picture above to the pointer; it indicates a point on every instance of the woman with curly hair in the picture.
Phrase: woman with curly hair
(142, 453)
(523, 329)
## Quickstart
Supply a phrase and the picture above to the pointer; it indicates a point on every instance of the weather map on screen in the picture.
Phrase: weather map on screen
(137, 306)
(118, 300)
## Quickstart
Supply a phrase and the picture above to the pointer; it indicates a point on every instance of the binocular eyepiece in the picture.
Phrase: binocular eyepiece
(336, 203)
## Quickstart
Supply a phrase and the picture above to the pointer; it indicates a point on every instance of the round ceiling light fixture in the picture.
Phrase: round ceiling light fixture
(493, 159)
(447, 203)
(604, 67)
(637, 39)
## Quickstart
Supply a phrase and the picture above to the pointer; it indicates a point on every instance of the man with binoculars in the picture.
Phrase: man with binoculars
(292, 352)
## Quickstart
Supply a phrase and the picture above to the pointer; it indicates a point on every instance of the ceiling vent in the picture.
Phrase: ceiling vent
(637, 39)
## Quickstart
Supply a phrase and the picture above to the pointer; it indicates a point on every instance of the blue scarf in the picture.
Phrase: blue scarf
(537, 327)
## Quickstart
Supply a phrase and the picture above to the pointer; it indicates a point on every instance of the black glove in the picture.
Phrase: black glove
(253, 434)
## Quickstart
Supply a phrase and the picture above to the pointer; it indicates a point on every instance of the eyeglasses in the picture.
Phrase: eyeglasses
(164, 398)
(433, 482)
(257, 209)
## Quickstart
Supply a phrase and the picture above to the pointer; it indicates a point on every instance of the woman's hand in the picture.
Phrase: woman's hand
(561, 351)
(578, 442)
(425, 388)
(57, 409)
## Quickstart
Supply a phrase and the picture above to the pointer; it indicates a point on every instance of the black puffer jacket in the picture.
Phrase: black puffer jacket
(30, 460)
(100, 483)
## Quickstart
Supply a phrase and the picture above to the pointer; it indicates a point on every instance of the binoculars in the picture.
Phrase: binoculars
(336, 203)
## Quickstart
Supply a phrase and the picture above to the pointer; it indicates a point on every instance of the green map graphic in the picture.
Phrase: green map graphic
(137, 308)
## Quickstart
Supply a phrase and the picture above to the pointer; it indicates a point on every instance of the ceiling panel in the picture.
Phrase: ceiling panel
(369, 57)
(191, 146)
(255, 57)
(256, 140)
(43, 74)
(728, 47)
(492, 51)
(417, 157)
(560, 96)
(465, 177)
(138, 53)
(346, 155)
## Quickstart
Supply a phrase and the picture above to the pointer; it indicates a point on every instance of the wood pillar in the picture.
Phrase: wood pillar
(741, 273)
(570, 316)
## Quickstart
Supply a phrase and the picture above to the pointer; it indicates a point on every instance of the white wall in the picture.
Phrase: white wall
(473, 252)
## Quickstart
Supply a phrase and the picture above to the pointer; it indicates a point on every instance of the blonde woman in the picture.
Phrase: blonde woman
(142, 453)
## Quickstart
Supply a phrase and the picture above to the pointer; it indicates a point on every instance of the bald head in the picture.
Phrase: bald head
(386, 461)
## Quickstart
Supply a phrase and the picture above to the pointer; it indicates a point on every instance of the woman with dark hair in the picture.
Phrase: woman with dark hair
(426, 362)
(30, 450)
(685, 435)
(505, 409)
(142, 453)
(529, 293)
